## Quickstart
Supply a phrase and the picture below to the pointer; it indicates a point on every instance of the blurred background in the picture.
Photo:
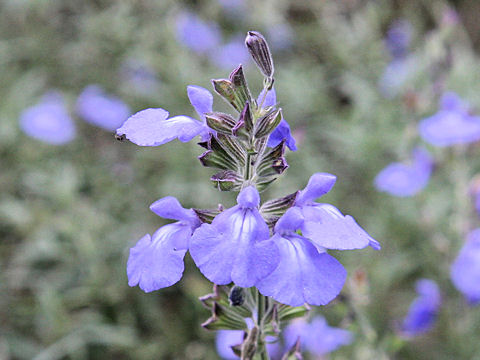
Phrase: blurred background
(74, 200)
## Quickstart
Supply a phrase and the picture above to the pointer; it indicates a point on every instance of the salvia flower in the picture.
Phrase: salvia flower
(236, 246)
(282, 131)
(451, 125)
(316, 337)
(230, 54)
(101, 109)
(404, 180)
(465, 271)
(423, 311)
(398, 38)
(196, 34)
(153, 127)
(324, 224)
(48, 121)
(156, 261)
(306, 273)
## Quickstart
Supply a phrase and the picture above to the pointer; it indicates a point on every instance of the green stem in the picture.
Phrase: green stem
(261, 349)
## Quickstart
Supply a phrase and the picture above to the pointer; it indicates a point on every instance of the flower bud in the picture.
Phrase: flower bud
(258, 48)
(220, 122)
(236, 296)
(266, 124)
(227, 180)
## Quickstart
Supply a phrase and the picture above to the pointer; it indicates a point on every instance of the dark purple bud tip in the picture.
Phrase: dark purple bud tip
(260, 52)
(121, 137)
(236, 296)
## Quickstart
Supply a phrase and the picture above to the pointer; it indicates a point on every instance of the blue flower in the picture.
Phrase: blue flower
(396, 75)
(224, 341)
(306, 273)
(152, 127)
(199, 36)
(423, 310)
(48, 121)
(157, 262)
(465, 271)
(398, 38)
(101, 109)
(236, 246)
(451, 125)
(317, 337)
(404, 180)
(324, 224)
(282, 131)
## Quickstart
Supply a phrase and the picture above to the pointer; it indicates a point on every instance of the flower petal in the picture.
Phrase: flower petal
(169, 208)
(201, 99)
(225, 340)
(270, 99)
(318, 185)
(465, 271)
(327, 227)
(323, 339)
(97, 107)
(281, 132)
(153, 263)
(151, 127)
(234, 248)
(248, 198)
(423, 310)
(49, 121)
(303, 275)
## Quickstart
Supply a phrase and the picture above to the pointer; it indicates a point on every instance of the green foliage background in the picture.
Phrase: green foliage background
(69, 214)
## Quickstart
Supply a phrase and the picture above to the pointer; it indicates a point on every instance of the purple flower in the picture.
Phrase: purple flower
(423, 310)
(196, 34)
(224, 341)
(398, 38)
(236, 246)
(404, 180)
(465, 271)
(305, 274)
(317, 337)
(324, 224)
(451, 125)
(282, 131)
(157, 262)
(152, 127)
(395, 75)
(48, 121)
(101, 109)
(230, 55)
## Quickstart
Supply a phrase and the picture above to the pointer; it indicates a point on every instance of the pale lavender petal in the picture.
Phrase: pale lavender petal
(198, 35)
(48, 121)
(322, 339)
(303, 275)
(398, 38)
(404, 180)
(153, 262)
(423, 310)
(225, 340)
(234, 248)
(290, 222)
(395, 76)
(151, 127)
(248, 198)
(318, 185)
(327, 227)
(201, 99)
(270, 99)
(101, 109)
(451, 125)
(465, 271)
(282, 132)
(170, 208)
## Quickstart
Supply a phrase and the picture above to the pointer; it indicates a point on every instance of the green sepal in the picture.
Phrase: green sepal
(216, 160)
(226, 90)
(241, 91)
(220, 122)
(294, 353)
(207, 215)
(272, 210)
(286, 312)
(227, 180)
(267, 123)
(233, 147)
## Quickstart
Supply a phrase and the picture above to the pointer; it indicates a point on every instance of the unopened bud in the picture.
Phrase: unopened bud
(258, 48)
(220, 122)
(236, 296)
(266, 124)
